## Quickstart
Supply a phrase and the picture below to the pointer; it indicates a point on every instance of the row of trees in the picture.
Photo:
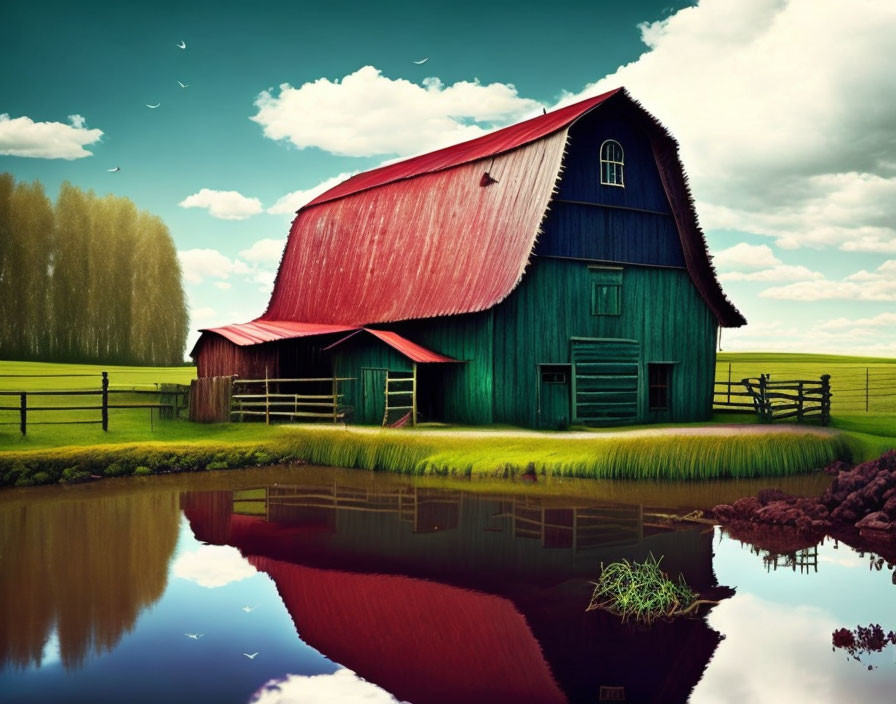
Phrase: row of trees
(87, 279)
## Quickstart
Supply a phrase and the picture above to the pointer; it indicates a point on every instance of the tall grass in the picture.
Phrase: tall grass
(661, 457)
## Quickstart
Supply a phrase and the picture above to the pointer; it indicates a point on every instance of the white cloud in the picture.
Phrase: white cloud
(782, 272)
(784, 110)
(342, 686)
(291, 202)
(212, 566)
(226, 205)
(366, 113)
(780, 652)
(878, 285)
(21, 136)
(745, 256)
(265, 251)
(223, 285)
(200, 264)
(883, 320)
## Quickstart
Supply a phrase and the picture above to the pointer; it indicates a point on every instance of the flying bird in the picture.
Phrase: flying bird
(249, 609)
(182, 44)
(183, 85)
(422, 61)
(153, 107)
(250, 656)
(117, 168)
(194, 636)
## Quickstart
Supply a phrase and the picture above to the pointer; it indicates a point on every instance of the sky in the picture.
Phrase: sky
(785, 111)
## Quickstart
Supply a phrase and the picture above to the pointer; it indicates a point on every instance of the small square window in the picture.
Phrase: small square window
(554, 374)
(606, 299)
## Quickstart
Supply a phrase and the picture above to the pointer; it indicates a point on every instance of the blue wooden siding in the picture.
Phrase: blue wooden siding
(577, 226)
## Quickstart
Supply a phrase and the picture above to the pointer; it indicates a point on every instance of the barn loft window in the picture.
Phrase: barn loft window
(658, 376)
(606, 290)
(612, 164)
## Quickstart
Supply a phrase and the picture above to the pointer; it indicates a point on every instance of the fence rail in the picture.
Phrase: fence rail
(264, 398)
(173, 399)
(777, 399)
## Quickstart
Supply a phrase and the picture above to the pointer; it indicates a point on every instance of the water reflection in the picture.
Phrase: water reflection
(80, 571)
(442, 596)
(379, 588)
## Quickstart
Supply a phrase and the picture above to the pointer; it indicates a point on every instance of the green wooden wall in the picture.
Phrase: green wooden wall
(660, 308)
(501, 349)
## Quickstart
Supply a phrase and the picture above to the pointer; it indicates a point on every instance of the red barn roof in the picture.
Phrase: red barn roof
(422, 238)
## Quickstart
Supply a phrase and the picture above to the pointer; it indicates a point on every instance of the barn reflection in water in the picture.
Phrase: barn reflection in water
(445, 596)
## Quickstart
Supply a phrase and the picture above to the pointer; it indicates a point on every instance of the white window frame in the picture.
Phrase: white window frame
(611, 168)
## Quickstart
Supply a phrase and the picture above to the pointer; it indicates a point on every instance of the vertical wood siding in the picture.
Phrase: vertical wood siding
(611, 234)
(660, 308)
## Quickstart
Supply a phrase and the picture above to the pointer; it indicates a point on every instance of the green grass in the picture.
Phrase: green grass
(131, 443)
(848, 376)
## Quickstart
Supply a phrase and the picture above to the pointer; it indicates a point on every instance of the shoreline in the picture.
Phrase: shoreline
(666, 454)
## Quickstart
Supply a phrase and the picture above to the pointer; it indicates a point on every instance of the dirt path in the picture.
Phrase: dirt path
(703, 430)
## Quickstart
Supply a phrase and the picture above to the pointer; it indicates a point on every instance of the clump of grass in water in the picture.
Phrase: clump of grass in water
(641, 590)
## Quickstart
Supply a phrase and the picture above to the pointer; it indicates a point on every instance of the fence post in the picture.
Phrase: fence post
(866, 389)
(765, 410)
(799, 404)
(335, 397)
(825, 399)
(267, 398)
(729, 383)
(105, 411)
(23, 411)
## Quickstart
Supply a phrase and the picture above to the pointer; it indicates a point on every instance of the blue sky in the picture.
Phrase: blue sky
(784, 110)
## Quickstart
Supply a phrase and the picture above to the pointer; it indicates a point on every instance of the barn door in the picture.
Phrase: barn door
(606, 380)
(373, 395)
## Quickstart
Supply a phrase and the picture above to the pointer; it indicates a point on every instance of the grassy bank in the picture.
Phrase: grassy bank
(656, 457)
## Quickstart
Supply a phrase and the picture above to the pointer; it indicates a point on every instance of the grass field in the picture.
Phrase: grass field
(867, 435)
(854, 380)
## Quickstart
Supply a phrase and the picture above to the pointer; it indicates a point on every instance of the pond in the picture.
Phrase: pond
(308, 584)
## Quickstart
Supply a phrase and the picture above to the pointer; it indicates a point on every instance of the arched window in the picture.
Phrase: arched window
(612, 163)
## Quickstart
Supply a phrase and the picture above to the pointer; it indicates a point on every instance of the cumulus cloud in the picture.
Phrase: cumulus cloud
(745, 256)
(200, 264)
(887, 320)
(781, 272)
(212, 566)
(776, 648)
(784, 111)
(291, 202)
(366, 113)
(226, 205)
(340, 686)
(22, 136)
(264, 251)
(877, 285)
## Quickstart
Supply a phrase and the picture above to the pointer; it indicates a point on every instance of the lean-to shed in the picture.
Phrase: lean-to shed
(549, 273)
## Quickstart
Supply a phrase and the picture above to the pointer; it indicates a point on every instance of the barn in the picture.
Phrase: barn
(549, 273)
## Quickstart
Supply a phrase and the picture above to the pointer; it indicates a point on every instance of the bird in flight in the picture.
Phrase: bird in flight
(249, 609)
(153, 107)
(183, 85)
(117, 168)
(422, 61)
(182, 44)
(251, 656)
(194, 636)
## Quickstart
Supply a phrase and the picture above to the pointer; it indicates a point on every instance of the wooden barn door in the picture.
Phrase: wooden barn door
(373, 396)
(605, 380)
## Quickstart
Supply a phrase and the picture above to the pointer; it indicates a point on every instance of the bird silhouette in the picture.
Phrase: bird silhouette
(249, 609)
(153, 107)
(183, 85)
(182, 44)
(422, 61)
(194, 636)
(250, 656)
(117, 168)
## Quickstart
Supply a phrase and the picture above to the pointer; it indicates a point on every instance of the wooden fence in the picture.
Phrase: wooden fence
(800, 399)
(172, 399)
(310, 399)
